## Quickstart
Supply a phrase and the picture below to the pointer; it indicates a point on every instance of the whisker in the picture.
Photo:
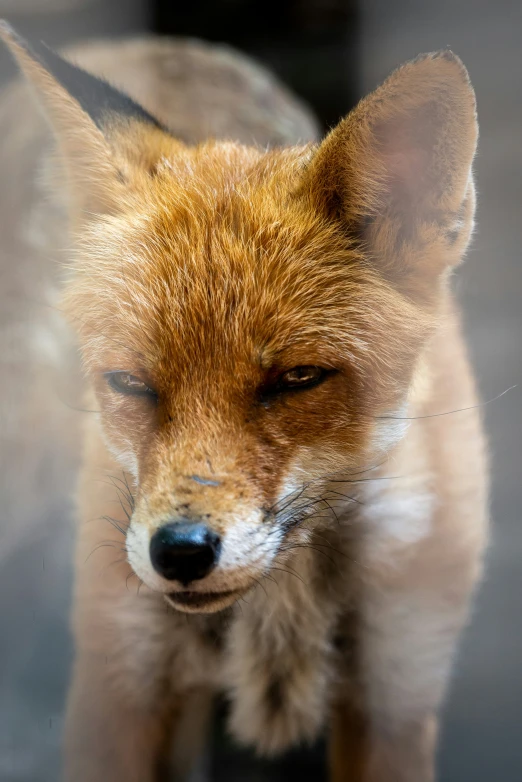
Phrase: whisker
(271, 578)
(448, 412)
(260, 583)
(105, 544)
(120, 561)
(328, 544)
(293, 499)
(114, 524)
(343, 496)
(366, 480)
(293, 546)
(290, 572)
(122, 495)
(130, 575)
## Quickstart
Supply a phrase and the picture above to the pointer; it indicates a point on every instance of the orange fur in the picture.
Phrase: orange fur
(207, 271)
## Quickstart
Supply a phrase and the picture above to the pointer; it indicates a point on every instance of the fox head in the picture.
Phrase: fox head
(251, 320)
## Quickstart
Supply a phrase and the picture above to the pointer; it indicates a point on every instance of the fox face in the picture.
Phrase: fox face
(231, 357)
(251, 321)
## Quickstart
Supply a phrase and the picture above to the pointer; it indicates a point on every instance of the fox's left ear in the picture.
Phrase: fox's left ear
(106, 139)
(397, 171)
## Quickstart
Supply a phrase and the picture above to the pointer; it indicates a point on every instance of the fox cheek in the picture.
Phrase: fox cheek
(123, 451)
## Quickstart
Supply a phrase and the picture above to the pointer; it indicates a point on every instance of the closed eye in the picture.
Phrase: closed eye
(299, 378)
(130, 385)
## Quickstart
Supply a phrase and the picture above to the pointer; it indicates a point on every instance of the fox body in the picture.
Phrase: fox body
(274, 500)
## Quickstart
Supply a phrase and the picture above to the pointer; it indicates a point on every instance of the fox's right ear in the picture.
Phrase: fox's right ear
(105, 138)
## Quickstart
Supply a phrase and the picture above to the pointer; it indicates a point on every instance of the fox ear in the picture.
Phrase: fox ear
(397, 171)
(99, 129)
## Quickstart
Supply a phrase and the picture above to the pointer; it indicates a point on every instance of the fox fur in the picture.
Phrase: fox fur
(210, 245)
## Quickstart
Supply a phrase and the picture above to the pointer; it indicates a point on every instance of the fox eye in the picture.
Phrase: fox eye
(125, 383)
(301, 377)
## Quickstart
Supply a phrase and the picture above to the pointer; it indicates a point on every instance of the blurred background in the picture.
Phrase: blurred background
(331, 52)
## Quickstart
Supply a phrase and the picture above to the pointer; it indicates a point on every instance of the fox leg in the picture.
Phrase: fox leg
(188, 757)
(121, 712)
(383, 728)
(122, 715)
(106, 737)
(384, 724)
(359, 754)
(124, 724)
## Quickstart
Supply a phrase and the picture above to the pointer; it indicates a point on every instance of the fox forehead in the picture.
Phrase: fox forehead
(217, 252)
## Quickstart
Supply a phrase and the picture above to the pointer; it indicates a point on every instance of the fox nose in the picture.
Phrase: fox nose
(184, 551)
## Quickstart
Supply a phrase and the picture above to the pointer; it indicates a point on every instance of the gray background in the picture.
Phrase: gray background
(482, 737)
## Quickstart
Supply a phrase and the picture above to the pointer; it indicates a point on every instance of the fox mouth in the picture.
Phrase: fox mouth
(202, 602)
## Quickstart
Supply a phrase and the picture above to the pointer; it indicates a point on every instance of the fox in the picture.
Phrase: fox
(282, 473)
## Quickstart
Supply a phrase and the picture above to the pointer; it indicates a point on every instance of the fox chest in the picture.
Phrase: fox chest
(275, 674)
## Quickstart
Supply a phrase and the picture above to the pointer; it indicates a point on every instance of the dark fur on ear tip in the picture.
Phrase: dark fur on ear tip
(96, 97)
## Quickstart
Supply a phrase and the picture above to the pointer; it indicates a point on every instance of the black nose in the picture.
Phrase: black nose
(184, 551)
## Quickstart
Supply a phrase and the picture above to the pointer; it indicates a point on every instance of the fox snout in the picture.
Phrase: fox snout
(202, 563)
(200, 540)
